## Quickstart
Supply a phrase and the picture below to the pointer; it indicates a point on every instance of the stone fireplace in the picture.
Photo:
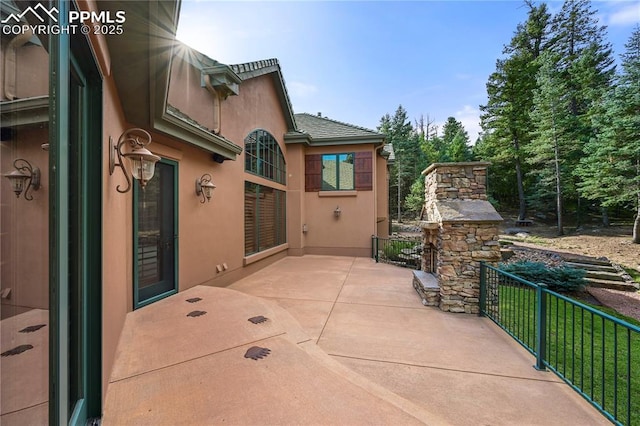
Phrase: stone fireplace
(462, 227)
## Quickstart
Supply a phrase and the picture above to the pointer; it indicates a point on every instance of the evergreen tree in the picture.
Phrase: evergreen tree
(459, 147)
(510, 96)
(415, 200)
(610, 171)
(445, 148)
(409, 158)
(585, 64)
(553, 137)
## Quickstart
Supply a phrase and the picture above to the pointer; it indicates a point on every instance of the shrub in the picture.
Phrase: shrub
(393, 248)
(561, 278)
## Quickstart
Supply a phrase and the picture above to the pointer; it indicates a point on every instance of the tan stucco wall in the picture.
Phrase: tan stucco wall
(382, 202)
(24, 248)
(296, 205)
(187, 95)
(117, 249)
(350, 233)
(21, 69)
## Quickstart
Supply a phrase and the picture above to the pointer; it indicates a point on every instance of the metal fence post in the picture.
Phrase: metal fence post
(375, 245)
(483, 289)
(373, 242)
(541, 326)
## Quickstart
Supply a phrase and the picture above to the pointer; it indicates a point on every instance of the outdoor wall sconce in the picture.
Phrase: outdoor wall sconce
(24, 178)
(142, 162)
(337, 212)
(205, 187)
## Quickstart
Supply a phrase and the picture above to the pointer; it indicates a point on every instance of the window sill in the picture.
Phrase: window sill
(252, 258)
(337, 193)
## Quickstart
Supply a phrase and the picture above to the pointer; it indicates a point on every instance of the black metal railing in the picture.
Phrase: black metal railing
(595, 353)
(406, 252)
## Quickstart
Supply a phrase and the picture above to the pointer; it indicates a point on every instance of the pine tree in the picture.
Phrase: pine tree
(553, 137)
(610, 171)
(510, 94)
(585, 64)
(409, 158)
(459, 147)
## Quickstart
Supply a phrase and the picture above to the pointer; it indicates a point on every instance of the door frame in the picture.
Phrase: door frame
(68, 53)
(137, 303)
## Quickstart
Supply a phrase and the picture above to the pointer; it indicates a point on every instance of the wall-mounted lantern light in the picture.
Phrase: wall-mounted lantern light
(24, 178)
(205, 187)
(142, 162)
(337, 212)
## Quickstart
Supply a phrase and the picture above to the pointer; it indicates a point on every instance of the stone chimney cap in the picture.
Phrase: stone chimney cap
(434, 166)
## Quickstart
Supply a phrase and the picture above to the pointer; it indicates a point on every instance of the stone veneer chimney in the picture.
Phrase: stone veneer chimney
(463, 227)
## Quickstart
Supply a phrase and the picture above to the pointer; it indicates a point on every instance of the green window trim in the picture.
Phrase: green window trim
(263, 156)
(338, 172)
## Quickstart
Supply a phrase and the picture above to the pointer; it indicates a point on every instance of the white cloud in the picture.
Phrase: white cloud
(627, 14)
(299, 89)
(470, 119)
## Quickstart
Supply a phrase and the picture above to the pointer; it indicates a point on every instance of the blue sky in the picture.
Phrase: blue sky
(354, 61)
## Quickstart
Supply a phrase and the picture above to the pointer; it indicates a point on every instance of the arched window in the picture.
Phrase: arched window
(263, 156)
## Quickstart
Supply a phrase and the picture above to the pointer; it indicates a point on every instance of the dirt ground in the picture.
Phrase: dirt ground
(613, 242)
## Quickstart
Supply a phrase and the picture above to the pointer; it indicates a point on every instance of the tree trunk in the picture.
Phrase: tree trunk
(636, 225)
(522, 212)
(558, 189)
(399, 196)
(605, 216)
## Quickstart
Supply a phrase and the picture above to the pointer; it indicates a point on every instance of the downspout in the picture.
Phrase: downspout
(216, 104)
(10, 63)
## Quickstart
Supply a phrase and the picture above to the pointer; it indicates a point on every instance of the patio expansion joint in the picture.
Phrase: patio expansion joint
(276, 298)
(417, 308)
(353, 261)
(164, 367)
(455, 370)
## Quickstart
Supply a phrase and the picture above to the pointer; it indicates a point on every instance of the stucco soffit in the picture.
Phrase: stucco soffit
(22, 112)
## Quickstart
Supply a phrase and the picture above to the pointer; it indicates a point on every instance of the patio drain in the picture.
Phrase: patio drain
(194, 299)
(32, 328)
(257, 320)
(194, 314)
(17, 350)
(256, 353)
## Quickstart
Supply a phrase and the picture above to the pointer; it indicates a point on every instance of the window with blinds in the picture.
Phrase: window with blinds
(264, 218)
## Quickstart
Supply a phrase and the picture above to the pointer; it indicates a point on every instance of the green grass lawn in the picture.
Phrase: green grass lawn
(593, 353)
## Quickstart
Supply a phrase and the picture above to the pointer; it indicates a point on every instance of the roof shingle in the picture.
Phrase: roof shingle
(319, 127)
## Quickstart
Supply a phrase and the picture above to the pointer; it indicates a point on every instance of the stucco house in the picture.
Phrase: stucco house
(88, 235)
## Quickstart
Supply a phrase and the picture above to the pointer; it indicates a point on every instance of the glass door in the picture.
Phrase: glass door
(156, 236)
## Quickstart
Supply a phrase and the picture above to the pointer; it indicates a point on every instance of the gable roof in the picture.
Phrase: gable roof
(255, 69)
(325, 131)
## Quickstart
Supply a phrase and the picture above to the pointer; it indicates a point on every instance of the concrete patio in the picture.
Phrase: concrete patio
(353, 345)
